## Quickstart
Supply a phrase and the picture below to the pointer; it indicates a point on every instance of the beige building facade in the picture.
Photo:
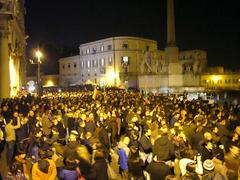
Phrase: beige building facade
(219, 79)
(69, 71)
(113, 61)
(12, 47)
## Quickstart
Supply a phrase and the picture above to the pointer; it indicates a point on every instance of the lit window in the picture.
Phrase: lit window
(88, 63)
(110, 61)
(125, 59)
(88, 51)
(102, 62)
(95, 63)
(102, 48)
(235, 81)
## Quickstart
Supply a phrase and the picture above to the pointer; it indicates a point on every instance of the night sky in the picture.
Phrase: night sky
(210, 25)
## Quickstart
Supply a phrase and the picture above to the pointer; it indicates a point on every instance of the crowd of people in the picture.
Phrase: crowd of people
(79, 134)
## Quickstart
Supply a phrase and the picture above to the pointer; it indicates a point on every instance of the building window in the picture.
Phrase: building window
(125, 60)
(75, 65)
(88, 51)
(88, 64)
(82, 65)
(102, 70)
(125, 45)
(102, 48)
(95, 63)
(102, 62)
(235, 81)
(63, 66)
(147, 47)
(110, 61)
(69, 66)
(227, 81)
(109, 47)
(94, 50)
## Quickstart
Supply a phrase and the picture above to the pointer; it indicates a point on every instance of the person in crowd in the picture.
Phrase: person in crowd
(100, 166)
(45, 168)
(158, 169)
(145, 146)
(11, 139)
(69, 171)
(123, 153)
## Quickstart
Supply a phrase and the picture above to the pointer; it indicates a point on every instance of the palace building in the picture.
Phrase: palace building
(12, 47)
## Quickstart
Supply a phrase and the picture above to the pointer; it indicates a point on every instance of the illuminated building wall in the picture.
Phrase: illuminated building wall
(69, 71)
(12, 47)
(108, 62)
(221, 81)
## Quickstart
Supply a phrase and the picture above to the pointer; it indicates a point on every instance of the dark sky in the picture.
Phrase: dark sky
(205, 24)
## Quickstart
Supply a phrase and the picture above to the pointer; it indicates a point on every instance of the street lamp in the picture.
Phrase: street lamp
(38, 54)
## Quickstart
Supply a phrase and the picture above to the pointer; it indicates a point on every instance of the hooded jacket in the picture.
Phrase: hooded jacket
(44, 170)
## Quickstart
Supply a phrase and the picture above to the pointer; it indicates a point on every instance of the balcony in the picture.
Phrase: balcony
(6, 8)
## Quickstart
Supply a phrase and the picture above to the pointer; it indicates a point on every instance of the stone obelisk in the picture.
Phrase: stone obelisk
(171, 39)
(175, 78)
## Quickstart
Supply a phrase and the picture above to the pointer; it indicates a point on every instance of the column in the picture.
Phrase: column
(4, 66)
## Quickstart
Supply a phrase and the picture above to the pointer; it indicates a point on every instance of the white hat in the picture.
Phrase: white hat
(74, 132)
(208, 165)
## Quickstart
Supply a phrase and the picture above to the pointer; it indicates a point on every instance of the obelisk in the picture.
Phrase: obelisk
(175, 78)
(171, 40)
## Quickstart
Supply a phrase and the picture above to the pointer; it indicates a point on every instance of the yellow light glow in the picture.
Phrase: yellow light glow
(49, 83)
(215, 78)
(112, 78)
(38, 53)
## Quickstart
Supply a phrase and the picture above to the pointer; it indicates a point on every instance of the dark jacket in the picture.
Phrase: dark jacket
(158, 170)
(70, 150)
(100, 168)
(145, 145)
(163, 148)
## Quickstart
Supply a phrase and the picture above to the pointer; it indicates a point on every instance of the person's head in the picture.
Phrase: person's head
(215, 130)
(207, 136)
(99, 154)
(31, 113)
(88, 135)
(126, 140)
(83, 153)
(208, 165)
(70, 163)
(148, 132)
(234, 150)
(191, 167)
